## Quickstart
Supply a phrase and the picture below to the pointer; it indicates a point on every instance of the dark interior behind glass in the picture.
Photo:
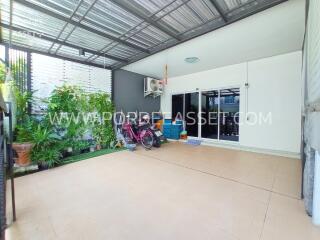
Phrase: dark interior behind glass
(177, 106)
(191, 113)
(209, 114)
(229, 114)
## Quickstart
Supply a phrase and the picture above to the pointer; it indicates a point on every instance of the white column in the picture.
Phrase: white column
(316, 192)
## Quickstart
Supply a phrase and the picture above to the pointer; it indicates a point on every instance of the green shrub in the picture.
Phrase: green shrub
(46, 148)
(56, 132)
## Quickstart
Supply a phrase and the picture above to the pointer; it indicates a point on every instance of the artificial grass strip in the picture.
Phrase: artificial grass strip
(88, 155)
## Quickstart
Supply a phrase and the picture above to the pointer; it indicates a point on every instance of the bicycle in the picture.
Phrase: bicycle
(138, 133)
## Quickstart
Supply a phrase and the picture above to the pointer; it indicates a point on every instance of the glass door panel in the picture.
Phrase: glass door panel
(177, 107)
(191, 113)
(209, 114)
(229, 114)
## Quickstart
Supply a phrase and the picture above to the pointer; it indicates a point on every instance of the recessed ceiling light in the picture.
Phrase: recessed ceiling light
(191, 60)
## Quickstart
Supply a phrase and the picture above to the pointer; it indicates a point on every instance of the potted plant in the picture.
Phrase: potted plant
(22, 144)
(46, 150)
(46, 158)
(103, 133)
(97, 136)
(65, 105)
(22, 135)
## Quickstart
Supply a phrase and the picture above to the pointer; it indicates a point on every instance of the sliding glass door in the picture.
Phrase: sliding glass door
(209, 114)
(177, 107)
(191, 109)
(219, 113)
(186, 107)
(229, 114)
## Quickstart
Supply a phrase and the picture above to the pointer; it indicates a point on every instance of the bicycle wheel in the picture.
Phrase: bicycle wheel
(147, 140)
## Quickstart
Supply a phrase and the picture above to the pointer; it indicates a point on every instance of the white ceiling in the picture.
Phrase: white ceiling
(275, 31)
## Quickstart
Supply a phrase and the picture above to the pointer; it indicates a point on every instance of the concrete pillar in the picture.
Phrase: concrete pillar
(316, 192)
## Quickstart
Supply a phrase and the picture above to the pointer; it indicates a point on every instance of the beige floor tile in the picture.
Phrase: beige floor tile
(175, 192)
(260, 170)
(35, 229)
(290, 186)
(287, 219)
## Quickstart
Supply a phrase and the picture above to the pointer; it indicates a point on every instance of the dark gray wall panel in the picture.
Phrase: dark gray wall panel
(128, 93)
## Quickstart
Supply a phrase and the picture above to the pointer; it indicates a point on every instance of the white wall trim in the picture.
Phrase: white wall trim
(237, 146)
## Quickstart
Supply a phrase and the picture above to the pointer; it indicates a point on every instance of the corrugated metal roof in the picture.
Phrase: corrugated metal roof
(122, 30)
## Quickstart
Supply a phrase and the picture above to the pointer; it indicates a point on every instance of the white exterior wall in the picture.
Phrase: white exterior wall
(274, 86)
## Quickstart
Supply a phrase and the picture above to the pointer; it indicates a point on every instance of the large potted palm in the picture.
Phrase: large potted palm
(22, 144)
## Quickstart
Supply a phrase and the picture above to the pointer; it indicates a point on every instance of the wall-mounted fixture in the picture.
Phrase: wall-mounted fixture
(82, 52)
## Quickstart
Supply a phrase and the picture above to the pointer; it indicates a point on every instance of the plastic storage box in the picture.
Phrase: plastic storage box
(166, 129)
(172, 131)
(176, 129)
(167, 121)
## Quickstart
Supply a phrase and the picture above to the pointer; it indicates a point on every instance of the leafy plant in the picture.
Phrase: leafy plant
(23, 131)
(101, 103)
(18, 67)
(64, 126)
(2, 72)
(102, 131)
(65, 99)
(103, 134)
(47, 157)
(46, 149)
(23, 99)
(43, 137)
(80, 145)
(65, 106)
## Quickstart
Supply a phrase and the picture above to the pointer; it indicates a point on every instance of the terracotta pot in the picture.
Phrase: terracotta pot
(23, 152)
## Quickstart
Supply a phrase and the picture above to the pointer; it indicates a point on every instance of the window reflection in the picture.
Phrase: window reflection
(229, 114)
(209, 114)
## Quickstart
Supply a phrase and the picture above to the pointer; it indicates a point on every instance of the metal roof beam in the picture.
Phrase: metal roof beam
(53, 40)
(77, 24)
(246, 13)
(167, 13)
(27, 49)
(66, 24)
(219, 10)
(74, 28)
(125, 6)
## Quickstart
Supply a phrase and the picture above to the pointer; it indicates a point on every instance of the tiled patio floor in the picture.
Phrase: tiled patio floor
(175, 192)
